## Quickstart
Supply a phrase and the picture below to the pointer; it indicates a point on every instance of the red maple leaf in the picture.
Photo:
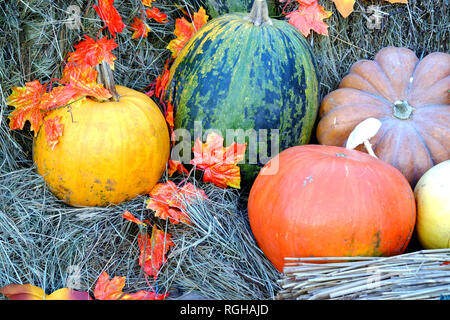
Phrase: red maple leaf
(155, 14)
(129, 216)
(184, 30)
(176, 166)
(163, 201)
(162, 81)
(153, 251)
(110, 16)
(141, 29)
(169, 120)
(32, 103)
(106, 289)
(170, 202)
(83, 79)
(73, 72)
(218, 163)
(91, 52)
(26, 101)
(158, 86)
(57, 97)
(309, 16)
(158, 89)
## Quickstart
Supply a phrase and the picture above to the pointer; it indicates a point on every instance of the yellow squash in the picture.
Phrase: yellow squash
(109, 152)
(432, 194)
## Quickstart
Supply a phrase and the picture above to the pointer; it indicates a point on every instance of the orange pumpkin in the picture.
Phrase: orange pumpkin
(109, 152)
(411, 99)
(326, 201)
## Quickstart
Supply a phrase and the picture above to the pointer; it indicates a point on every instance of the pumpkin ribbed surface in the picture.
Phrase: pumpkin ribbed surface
(408, 95)
(109, 152)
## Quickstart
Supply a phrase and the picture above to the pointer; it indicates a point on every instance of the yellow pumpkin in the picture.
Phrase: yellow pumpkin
(109, 152)
(432, 194)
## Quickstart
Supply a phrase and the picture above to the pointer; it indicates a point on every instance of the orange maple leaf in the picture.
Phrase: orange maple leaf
(129, 216)
(309, 16)
(73, 72)
(106, 289)
(153, 251)
(162, 81)
(53, 130)
(92, 89)
(169, 201)
(79, 70)
(141, 29)
(184, 30)
(200, 19)
(163, 201)
(26, 101)
(155, 14)
(83, 79)
(169, 120)
(176, 166)
(91, 52)
(110, 16)
(218, 163)
(57, 97)
(30, 292)
(345, 7)
(158, 86)
(32, 103)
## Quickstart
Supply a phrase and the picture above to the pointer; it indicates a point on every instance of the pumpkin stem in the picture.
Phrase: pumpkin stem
(402, 110)
(259, 15)
(105, 76)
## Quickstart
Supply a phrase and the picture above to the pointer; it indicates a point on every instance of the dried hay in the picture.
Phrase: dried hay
(47, 243)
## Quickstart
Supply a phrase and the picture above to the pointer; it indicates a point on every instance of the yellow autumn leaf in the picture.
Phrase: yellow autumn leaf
(30, 292)
(345, 7)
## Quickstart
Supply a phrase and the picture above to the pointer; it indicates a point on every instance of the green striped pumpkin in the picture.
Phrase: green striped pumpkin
(216, 8)
(236, 74)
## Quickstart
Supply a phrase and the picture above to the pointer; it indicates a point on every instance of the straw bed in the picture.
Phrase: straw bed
(217, 256)
(43, 242)
(423, 274)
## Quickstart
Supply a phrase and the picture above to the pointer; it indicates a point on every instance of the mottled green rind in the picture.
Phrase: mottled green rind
(215, 8)
(233, 74)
